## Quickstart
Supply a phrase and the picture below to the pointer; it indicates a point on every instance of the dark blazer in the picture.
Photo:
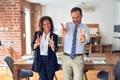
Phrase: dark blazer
(51, 60)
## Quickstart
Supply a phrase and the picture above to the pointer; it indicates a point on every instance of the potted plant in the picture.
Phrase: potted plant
(96, 41)
(97, 33)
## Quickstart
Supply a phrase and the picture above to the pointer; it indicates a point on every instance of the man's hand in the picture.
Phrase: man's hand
(82, 36)
(63, 30)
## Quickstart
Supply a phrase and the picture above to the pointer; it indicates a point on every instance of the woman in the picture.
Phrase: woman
(45, 44)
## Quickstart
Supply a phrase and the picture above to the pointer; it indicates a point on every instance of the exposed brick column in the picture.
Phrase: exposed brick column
(12, 24)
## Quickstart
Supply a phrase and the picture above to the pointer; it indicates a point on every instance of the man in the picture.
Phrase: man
(76, 35)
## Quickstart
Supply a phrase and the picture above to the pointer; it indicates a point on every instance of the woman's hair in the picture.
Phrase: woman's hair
(41, 23)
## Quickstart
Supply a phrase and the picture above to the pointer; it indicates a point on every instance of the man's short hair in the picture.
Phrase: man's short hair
(74, 9)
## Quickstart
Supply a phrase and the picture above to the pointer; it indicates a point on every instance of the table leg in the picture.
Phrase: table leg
(15, 73)
(111, 73)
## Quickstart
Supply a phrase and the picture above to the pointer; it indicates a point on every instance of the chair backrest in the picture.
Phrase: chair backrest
(9, 61)
(117, 70)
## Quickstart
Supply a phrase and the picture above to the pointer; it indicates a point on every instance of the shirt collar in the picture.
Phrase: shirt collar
(78, 24)
(48, 35)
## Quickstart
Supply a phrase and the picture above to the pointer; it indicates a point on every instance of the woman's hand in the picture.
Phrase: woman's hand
(51, 43)
(82, 36)
(37, 42)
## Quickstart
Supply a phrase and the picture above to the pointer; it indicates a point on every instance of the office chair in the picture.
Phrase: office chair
(22, 73)
(104, 74)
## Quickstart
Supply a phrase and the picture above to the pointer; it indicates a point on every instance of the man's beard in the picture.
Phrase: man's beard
(76, 22)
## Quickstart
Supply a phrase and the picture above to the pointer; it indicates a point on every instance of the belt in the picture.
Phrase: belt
(75, 54)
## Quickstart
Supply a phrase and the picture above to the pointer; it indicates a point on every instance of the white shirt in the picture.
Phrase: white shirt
(44, 42)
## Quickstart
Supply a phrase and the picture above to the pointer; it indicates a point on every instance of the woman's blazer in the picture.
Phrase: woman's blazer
(51, 60)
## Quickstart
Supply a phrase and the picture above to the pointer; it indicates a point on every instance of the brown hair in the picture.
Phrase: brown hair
(41, 23)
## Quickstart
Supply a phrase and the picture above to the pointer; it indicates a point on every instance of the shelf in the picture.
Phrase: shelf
(96, 48)
(107, 48)
(100, 48)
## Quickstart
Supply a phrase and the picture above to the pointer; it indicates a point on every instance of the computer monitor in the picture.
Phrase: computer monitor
(117, 28)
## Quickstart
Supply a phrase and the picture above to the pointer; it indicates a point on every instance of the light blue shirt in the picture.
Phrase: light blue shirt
(69, 37)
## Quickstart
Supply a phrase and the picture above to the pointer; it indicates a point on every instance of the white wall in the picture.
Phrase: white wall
(106, 15)
(119, 11)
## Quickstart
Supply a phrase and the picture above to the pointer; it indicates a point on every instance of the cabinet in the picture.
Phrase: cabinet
(98, 48)
(107, 48)
(95, 45)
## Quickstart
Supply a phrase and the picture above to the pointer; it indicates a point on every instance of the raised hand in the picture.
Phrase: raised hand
(51, 43)
(82, 36)
(63, 30)
(37, 41)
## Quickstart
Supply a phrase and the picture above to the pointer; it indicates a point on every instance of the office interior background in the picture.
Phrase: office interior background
(19, 19)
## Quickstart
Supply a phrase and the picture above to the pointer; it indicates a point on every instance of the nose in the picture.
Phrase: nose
(75, 19)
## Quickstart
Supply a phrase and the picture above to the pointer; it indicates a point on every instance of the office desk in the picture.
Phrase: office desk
(109, 65)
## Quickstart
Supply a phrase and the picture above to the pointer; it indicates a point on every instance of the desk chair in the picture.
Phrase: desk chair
(104, 74)
(22, 73)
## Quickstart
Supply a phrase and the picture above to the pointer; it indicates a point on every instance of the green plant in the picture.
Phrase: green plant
(97, 32)
(96, 40)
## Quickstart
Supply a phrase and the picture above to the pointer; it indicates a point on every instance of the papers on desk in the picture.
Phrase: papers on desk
(26, 57)
(98, 62)
(29, 62)
(95, 60)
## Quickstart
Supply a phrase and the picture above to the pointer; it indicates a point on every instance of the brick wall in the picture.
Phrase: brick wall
(35, 17)
(35, 10)
(12, 24)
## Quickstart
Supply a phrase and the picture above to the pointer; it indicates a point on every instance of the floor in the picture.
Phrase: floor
(4, 74)
(91, 74)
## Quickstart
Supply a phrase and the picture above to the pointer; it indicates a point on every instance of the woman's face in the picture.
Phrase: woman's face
(46, 26)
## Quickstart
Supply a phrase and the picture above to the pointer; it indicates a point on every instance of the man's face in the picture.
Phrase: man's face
(76, 17)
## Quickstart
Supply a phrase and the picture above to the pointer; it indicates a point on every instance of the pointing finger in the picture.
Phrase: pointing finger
(62, 25)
